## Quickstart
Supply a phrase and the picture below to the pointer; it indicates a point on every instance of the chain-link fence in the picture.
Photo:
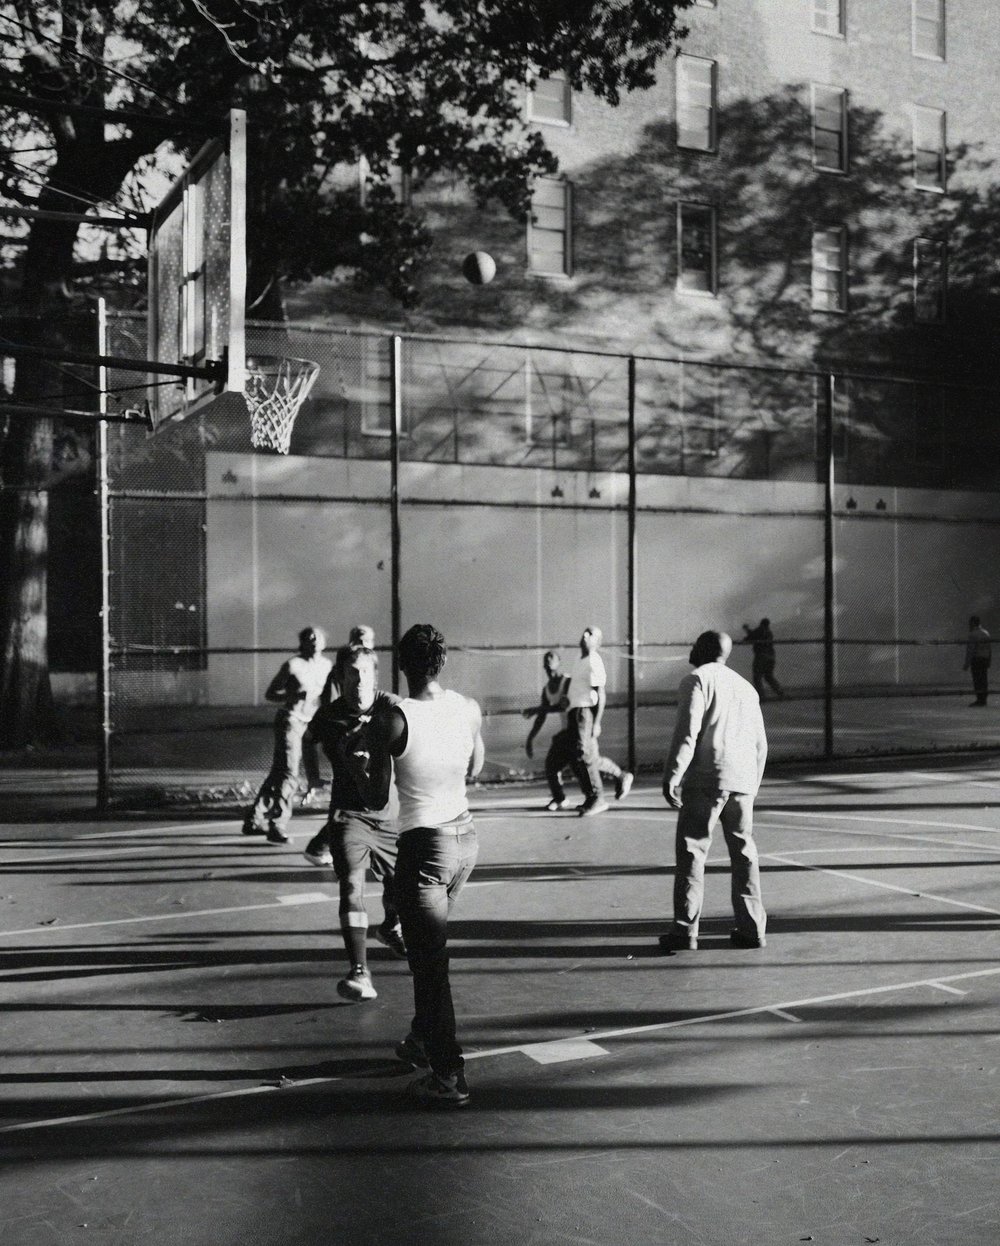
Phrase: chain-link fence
(526, 493)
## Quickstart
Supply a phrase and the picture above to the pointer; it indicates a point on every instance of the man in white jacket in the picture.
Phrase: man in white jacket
(713, 771)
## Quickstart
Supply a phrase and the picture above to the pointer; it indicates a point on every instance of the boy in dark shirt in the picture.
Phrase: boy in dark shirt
(361, 828)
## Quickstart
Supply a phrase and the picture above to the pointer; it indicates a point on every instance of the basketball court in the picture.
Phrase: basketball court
(178, 1064)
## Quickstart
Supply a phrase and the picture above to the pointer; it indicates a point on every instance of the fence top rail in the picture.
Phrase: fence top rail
(639, 356)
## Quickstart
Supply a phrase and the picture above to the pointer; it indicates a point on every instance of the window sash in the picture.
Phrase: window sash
(828, 17)
(829, 119)
(550, 100)
(696, 249)
(929, 149)
(928, 29)
(696, 103)
(829, 270)
(549, 237)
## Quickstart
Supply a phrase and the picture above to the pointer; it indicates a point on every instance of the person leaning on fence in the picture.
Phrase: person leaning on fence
(298, 686)
(764, 657)
(978, 652)
(712, 773)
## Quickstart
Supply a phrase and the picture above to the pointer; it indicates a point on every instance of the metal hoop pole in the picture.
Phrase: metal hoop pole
(395, 426)
(104, 529)
(633, 551)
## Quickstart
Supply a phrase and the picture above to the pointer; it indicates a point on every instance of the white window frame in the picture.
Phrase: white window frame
(839, 15)
(941, 245)
(815, 129)
(564, 122)
(920, 111)
(939, 21)
(713, 289)
(713, 109)
(567, 231)
(842, 287)
(707, 4)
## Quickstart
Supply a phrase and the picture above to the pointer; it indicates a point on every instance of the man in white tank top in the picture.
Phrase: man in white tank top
(435, 738)
(298, 686)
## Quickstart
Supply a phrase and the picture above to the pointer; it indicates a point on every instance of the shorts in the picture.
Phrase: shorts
(357, 842)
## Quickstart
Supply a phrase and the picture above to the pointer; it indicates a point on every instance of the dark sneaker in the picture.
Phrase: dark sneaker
(555, 805)
(678, 941)
(249, 828)
(412, 1051)
(357, 986)
(275, 835)
(624, 785)
(738, 939)
(590, 808)
(392, 938)
(440, 1090)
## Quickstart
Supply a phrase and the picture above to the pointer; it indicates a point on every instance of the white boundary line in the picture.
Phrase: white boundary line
(780, 1008)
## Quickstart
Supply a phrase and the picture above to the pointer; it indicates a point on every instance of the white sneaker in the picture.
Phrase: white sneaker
(555, 805)
(357, 985)
(624, 785)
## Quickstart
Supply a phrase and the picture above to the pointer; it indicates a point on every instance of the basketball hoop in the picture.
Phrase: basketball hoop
(276, 388)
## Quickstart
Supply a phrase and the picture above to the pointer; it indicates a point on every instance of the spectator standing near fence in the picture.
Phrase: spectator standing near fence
(764, 657)
(712, 773)
(298, 687)
(978, 652)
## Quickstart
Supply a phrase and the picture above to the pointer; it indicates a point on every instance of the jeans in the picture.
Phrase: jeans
(560, 755)
(980, 668)
(432, 866)
(699, 813)
(585, 757)
(274, 800)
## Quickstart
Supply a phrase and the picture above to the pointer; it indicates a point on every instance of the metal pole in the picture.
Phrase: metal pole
(633, 582)
(828, 567)
(103, 504)
(395, 426)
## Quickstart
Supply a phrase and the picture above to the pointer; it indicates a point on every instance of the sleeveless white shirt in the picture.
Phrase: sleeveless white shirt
(431, 770)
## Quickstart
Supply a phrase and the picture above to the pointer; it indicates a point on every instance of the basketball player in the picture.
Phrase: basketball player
(361, 828)
(435, 738)
(555, 700)
(312, 798)
(297, 687)
(587, 699)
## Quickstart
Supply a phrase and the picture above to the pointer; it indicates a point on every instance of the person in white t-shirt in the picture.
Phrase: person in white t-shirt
(436, 742)
(587, 699)
(298, 687)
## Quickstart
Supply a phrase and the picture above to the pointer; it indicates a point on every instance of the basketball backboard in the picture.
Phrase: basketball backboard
(197, 276)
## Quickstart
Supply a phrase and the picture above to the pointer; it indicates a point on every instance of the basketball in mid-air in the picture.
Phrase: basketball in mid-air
(479, 268)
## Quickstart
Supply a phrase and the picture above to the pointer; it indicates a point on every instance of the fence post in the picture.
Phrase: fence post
(828, 566)
(395, 426)
(633, 583)
(104, 536)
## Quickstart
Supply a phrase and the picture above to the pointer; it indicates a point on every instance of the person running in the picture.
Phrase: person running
(298, 687)
(435, 738)
(587, 700)
(764, 657)
(978, 652)
(361, 829)
(712, 773)
(555, 700)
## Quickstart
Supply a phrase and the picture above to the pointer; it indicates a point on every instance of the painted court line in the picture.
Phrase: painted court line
(858, 817)
(878, 882)
(784, 1006)
(563, 1049)
(785, 1016)
(943, 986)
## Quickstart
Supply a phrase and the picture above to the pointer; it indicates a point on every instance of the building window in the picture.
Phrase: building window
(696, 264)
(550, 100)
(929, 280)
(930, 161)
(928, 29)
(829, 269)
(549, 229)
(829, 127)
(830, 17)
(696, 107)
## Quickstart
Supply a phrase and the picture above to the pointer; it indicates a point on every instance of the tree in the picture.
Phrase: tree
(432, 89)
